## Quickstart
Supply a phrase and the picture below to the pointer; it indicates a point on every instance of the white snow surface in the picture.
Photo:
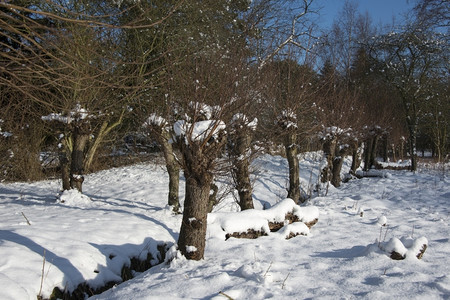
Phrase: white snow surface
(123, 213)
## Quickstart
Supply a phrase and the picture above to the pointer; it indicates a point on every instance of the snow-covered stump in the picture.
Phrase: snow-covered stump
(249, 234)
(399, 249)
(285, 219)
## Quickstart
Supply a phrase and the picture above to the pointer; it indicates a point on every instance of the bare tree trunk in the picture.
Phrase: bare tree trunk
(64, 162)
(212, 197)
(244, 185)
(356, 158)
(65, 173)
(198, 165)
(367, 148)
(402, 149)
(294, 170)
(385, 147)
(173, 169)
(80, 139)
(337, 165)
(191, 241)
(336, 172)
(328, 149)
(104, 130)
(394, 156)
(373, 151)
(412, 149)
(174, 182)
(239, 145)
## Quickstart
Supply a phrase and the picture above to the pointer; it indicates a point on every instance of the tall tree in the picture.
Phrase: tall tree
(410, 60)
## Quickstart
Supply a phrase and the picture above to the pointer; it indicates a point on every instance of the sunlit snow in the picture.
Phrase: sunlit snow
(123, 213)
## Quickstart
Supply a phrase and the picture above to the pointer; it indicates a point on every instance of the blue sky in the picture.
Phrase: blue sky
(381, 11)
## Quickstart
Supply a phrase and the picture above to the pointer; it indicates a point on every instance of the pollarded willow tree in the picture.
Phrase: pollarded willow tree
(203, 67)
(290, 90)
(201, 142)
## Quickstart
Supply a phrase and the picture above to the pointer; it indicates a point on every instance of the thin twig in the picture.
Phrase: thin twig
(284, 281)
(385, 233)
(26, 219)
(42, 276)
(228, 297)
(268, 269)
(379, 239)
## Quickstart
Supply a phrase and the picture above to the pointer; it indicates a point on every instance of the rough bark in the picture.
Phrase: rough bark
(64, 163)
(290, 146)
(367, 147)
(373, 151)
(394, 156)
(402, 149)
(198, 165)
(412, 149)
(370, 150)
(212, 197)
(65, 172)
(239, 145)
(80, 139)
(191, 241)
(329, 151)
(244, 185)
(337, 166)
(173, 169)
(385, 147)
(356, 159)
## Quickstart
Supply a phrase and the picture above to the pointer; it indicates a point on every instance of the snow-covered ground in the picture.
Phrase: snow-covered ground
(341, 257)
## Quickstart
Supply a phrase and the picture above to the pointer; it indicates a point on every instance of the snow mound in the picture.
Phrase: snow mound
(382, 221)
(75, 198)
(294, 229)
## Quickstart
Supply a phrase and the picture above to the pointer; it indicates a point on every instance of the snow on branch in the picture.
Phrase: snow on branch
(77, 114)
(198, 131)
(240, 120)
(4, 134)
(287, 119)
(334, 131)
(203, 110)
(155, 120)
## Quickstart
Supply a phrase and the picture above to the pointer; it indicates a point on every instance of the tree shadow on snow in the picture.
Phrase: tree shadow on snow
(118, 256)
(71, 274)
(355, 251)
(27, 197)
